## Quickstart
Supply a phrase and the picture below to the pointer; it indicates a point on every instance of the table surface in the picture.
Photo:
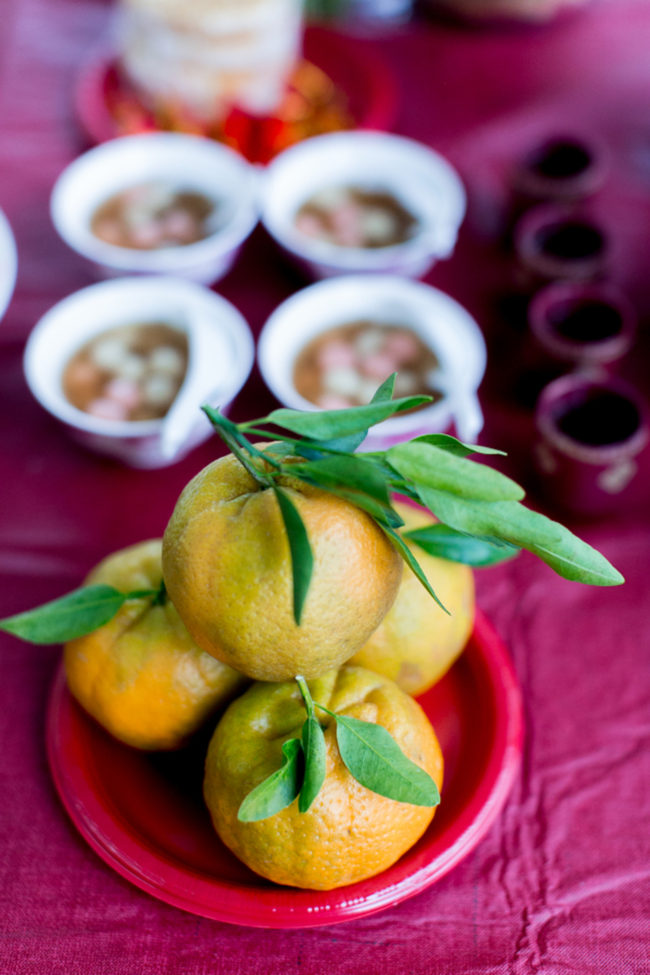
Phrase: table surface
(560, 884)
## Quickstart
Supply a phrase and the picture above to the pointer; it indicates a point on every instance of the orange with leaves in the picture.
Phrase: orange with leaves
(228, 570)
(141, 675)
(349, 833)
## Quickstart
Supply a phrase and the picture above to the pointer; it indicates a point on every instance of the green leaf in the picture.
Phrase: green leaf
(395, 481)
(510, 521)
(446, 543)
(383, 394)
(424, 464)
(302, 559)
(279, 450)
(278, 790)
(350, 471)
(383, 514)
(411, 561)
(76, 614)
(313, 746)
(375, 760)
(355, 479)
(329, 425)
(453, 446)
(236, 443)
(471, 498)
(315, 449)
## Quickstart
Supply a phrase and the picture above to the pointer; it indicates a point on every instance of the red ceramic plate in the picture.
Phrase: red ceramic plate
(144, 815)
(362, 94)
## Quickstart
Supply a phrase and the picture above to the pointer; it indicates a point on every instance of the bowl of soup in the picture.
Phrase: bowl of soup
(126, 364)
(158, 203)
(331, 345)
(363, 202)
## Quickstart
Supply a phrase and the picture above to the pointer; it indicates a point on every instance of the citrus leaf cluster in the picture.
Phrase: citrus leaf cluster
(370, 754)
(481, 518)
(480, 521)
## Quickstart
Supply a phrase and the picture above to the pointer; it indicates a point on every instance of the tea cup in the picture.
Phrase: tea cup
(440, 322)
(221, 354)
(591, 430)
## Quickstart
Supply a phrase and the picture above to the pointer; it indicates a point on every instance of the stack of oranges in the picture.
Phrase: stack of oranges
(369, 638)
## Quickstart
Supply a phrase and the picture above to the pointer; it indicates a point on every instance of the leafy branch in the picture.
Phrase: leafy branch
(481, 518)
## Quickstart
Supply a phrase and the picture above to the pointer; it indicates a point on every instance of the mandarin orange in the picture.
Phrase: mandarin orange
(349, 833)
(141, 675)
(227, 567)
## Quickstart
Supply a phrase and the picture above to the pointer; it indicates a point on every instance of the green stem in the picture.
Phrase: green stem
(230, 434)
(332, 714)
(263, 455)
(257, 475)
(246, 429)
(250, 427)
(306, 696)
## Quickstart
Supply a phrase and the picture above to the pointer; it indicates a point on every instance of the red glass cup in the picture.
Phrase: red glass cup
(578, 324)
(555, 242)
(591, 430)
(560, 168)
(572, 325)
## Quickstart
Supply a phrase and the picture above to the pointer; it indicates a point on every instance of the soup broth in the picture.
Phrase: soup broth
(132, 372)
(352, 217)
(343, 366)
(151, 216)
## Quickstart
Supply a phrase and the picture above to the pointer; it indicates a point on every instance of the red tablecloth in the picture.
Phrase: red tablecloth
(560, 885)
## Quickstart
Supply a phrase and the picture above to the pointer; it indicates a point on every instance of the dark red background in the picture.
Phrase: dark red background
(560, 885)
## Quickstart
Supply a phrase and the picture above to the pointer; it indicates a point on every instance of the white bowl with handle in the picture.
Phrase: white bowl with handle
(421, 180)
(183, 162)
(221, 354)
(439, 321)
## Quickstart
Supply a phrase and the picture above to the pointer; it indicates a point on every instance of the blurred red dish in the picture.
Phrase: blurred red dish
(339, 85)
(144, 814)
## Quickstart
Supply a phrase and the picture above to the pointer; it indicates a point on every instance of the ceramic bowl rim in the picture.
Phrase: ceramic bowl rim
(411, 291)
(69, 222)
(584, 183)
(359, 259)
(77, 419)
(545, 215)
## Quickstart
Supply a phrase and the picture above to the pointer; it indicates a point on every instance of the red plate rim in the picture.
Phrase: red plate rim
(101, 825)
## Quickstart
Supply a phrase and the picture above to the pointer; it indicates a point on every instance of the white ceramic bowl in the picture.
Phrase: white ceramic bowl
(424, 182)
(221, 356)
(189, 162)
(440, 322)
(8, 263)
